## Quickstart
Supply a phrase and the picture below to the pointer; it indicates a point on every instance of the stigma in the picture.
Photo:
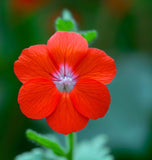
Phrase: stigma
(64, 79)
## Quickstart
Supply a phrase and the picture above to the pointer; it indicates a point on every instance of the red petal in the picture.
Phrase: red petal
(34, 62)
(97, 65)
(38, 98)
(66, 119)
(67, 47)
(91, 98)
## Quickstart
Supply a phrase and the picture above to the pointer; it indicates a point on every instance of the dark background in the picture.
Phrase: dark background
(124, 32)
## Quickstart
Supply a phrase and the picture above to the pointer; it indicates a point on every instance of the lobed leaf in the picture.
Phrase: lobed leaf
(89, 35)
(94, 149)
(38, 154)
(66, 22)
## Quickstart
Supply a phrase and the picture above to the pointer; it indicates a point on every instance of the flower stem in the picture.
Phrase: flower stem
(71, 146)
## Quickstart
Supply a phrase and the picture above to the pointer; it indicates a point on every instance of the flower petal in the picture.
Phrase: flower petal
(67, 47)
(34, 62)
(97, 65)
(91, 98)
(65, 119)
(38, 98)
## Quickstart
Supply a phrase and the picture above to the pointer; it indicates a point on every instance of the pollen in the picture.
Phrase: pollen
(64, 79)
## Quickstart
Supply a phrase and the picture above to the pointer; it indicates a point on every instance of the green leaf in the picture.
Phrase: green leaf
(39, 154)
(66, 22)
(64, 25)
(94, 149)
(89, 35)
(44, 141)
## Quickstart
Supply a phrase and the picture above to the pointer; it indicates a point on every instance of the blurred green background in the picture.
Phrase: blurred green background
(124, 32)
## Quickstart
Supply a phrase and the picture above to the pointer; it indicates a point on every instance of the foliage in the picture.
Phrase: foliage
(38, 154)
(89, 35)
(67, 23)
(44, 141)
(94, 149)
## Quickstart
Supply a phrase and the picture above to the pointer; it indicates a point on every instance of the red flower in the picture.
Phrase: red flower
(64, 81)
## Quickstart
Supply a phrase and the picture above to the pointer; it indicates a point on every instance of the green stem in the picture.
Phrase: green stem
(71, 146)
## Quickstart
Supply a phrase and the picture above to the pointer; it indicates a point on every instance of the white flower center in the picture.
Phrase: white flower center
(64, 79)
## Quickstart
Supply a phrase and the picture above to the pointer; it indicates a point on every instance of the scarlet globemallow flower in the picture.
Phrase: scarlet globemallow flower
(64, 82)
